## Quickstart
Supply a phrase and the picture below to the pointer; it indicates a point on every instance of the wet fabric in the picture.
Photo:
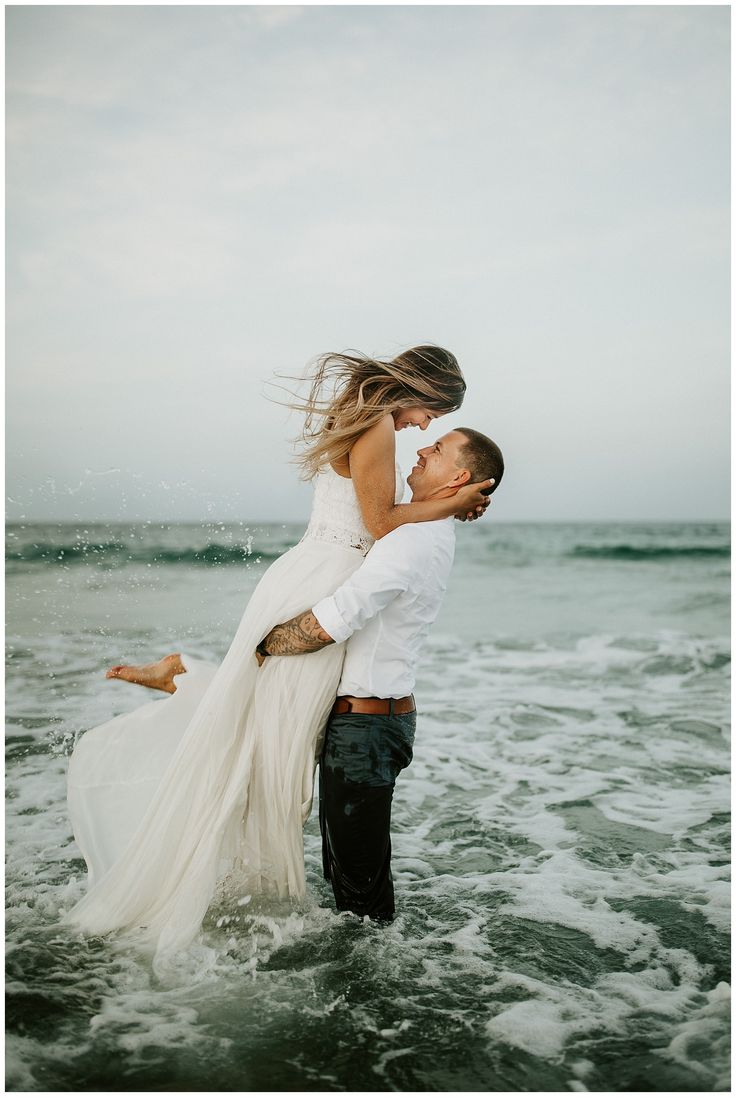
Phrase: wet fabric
(361, 758)
(204, 795)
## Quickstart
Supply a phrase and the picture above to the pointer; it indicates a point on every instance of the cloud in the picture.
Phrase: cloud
(219, 191)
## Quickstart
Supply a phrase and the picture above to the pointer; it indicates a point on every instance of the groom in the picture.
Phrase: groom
(384, 612)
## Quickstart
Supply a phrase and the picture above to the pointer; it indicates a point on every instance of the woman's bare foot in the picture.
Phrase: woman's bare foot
(158, 675)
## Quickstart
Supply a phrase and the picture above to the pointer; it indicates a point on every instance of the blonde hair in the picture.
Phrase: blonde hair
(349, 392)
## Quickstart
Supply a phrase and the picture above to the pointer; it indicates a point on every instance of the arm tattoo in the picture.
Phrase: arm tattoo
(297, 636)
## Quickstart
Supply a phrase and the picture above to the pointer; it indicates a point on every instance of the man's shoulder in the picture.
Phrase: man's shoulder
(419, 538)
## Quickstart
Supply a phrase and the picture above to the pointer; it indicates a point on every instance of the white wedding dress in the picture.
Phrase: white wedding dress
(207, 791)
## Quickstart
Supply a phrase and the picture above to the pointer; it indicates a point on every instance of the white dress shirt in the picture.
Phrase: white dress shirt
(386, 607)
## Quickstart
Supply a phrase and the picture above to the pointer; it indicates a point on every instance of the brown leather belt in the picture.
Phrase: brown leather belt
(374, 706)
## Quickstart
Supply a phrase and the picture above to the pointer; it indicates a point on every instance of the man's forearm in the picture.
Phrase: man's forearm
(298, 636)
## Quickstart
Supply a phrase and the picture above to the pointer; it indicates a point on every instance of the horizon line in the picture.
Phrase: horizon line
(304, 521)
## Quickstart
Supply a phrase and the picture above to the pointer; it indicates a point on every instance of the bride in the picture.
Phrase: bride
(206, 793)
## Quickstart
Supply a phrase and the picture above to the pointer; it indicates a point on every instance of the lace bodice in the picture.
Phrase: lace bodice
(336, 516)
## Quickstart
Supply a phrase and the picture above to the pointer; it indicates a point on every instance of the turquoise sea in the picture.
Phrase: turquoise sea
(560, 840)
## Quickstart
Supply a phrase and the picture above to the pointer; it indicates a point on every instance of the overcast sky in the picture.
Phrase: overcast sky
(200, 196)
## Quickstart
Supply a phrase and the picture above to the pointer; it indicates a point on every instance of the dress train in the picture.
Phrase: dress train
(212, 785)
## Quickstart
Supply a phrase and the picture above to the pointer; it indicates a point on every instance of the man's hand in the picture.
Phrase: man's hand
(298, 636)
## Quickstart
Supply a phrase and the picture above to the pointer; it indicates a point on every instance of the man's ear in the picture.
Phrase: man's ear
(461, 477)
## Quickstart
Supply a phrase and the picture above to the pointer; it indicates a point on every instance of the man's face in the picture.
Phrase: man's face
(437, 467)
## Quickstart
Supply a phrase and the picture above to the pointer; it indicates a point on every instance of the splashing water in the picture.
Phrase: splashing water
(560, 840)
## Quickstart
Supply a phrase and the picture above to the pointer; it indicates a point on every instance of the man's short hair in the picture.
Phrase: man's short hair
(481, 457)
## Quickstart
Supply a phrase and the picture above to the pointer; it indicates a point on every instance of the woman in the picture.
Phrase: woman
(208, 791)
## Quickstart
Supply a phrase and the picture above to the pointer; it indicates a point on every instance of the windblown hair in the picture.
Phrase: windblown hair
(481, 457)
(349, 392)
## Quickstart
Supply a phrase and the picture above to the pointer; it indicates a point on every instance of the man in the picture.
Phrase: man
(384, 612)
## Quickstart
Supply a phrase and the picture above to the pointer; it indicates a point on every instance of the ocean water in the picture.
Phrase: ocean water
(560, 840)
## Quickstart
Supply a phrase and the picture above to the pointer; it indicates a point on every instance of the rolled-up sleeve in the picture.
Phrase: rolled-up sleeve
(331, 621)
(385, 573)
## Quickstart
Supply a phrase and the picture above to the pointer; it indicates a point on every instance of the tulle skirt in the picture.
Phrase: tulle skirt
(208, 789)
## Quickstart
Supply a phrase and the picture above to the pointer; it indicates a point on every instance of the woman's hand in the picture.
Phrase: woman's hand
(472, 500)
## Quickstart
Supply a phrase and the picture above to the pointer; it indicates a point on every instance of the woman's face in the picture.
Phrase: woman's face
(414, 417)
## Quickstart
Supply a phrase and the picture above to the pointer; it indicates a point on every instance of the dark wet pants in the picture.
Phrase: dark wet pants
(361, 758)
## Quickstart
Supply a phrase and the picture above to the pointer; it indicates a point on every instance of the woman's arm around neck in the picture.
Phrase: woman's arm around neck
(373, 471)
